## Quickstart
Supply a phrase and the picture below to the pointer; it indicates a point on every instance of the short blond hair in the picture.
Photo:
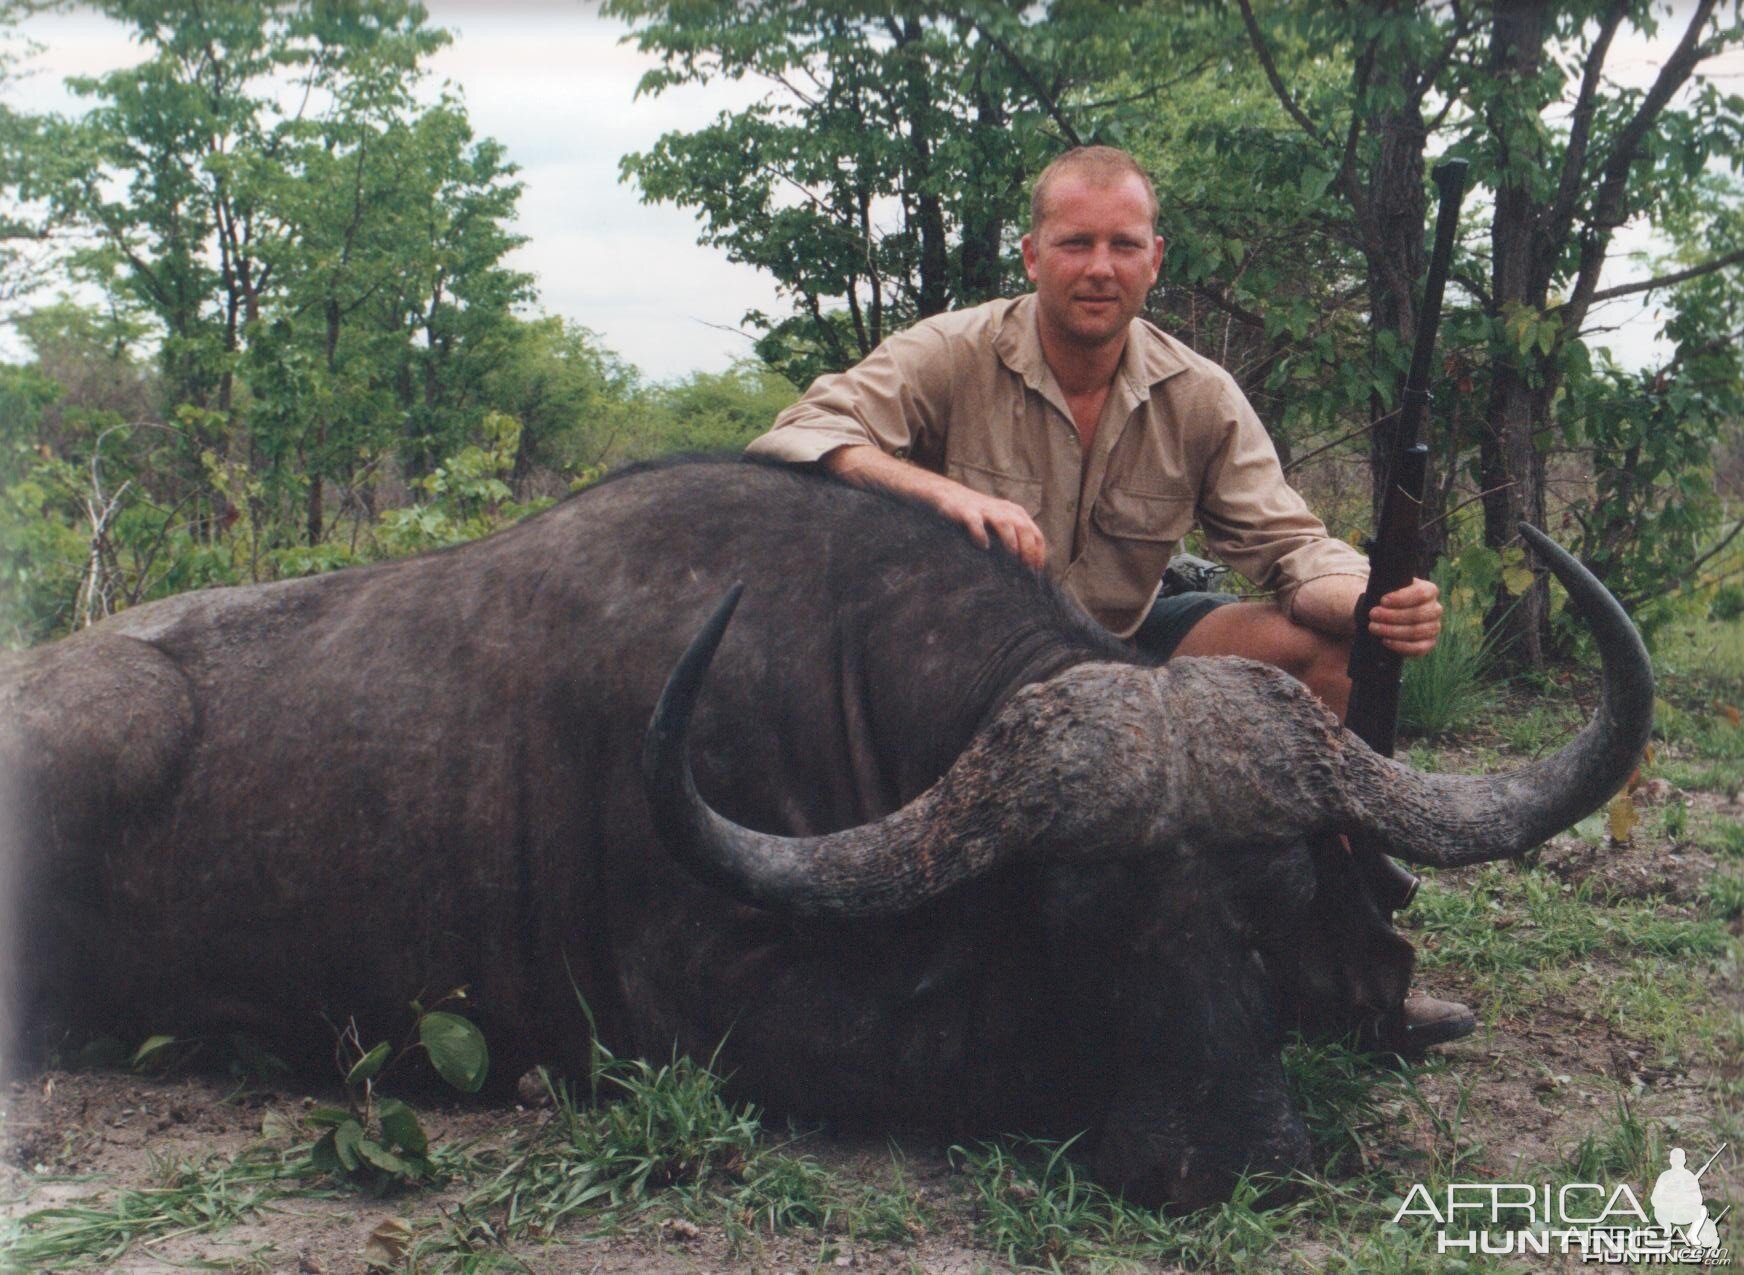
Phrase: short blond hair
(1100, 165)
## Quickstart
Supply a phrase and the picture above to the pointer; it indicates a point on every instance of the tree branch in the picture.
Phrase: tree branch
(1574, 160)
(1257, 38)
(1430, 75)
(1607, 208)
(1036, 86)
(1718, 548)
(1665, 280)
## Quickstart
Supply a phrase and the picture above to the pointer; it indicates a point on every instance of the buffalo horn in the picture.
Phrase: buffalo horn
(947, 835)
(1450, 820)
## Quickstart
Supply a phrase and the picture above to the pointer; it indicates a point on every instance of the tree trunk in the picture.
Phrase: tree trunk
(983, 228)
(933, 295)
(1511, 465)
(1397, 208)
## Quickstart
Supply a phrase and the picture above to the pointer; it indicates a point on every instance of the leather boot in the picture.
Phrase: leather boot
(1418, 1024)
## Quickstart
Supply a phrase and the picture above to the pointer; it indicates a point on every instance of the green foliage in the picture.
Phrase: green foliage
(1035, 1207)
(325, 284)
(885, 178)
(379, 1142)
(1630, 1150)
(1444, 690)
(1547, 925)
(40, 551)
(662, 1127)
(723, 411)
(1726, 896)
(456, 1050)
(468, 495)
(1655, 509)
(195, 1197)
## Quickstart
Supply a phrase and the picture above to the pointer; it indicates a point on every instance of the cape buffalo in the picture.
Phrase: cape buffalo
(974, 862)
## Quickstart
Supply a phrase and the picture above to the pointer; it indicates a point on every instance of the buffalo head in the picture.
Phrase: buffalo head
(1165, 809)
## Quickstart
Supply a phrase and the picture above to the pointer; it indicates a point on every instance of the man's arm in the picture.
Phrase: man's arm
(983, 517)
(1407, 620)
(1260, 525)
(896, 402)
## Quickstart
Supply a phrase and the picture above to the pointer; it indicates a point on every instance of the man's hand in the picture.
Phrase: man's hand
(1408, 620)
(983, 517)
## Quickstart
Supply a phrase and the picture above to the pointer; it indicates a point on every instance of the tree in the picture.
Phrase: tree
(1560, 198)
(883, 178)
(1522, 89)
(321, 253)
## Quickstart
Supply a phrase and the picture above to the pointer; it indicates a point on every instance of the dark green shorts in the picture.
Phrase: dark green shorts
(1172, 618)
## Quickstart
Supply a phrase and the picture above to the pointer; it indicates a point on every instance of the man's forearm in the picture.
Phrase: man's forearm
(1327, 604)
(868, 466)
(985, 518)
(1408, 620)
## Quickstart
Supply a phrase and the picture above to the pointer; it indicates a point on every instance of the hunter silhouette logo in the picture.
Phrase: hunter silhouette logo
(1678, 1205)
(1588, 1220)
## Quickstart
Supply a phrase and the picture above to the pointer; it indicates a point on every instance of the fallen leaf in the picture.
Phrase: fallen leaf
(387, 1244)
(1622, 819)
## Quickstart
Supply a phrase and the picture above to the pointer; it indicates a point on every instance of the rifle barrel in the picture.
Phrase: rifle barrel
(1449, 178)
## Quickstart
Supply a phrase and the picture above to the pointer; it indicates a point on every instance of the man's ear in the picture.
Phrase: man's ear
(1027, 244)
(1157, 253)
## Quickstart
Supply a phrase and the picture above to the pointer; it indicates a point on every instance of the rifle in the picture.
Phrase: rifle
(1397, 545)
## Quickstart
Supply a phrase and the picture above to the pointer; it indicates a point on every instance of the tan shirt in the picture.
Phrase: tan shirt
(969, 395)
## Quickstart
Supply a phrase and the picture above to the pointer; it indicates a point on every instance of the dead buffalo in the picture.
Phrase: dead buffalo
(974, 863)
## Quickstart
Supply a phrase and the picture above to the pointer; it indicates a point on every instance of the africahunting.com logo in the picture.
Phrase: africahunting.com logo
(1584, 1219)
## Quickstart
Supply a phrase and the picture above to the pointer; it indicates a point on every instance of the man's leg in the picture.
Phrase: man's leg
(1354, 967)
(1261, 631)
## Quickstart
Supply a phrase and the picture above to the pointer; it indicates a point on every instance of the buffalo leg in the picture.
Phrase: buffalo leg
(1326, 940)
(1203, 1098)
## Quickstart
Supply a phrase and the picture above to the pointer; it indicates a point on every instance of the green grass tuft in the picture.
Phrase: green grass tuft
(1444, 690)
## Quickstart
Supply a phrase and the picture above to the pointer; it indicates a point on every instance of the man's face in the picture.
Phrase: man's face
(1093, 258)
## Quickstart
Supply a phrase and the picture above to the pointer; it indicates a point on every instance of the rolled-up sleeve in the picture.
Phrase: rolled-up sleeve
(1254, 520)
(896, 399)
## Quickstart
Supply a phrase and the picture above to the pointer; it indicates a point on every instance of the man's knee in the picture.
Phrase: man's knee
(1261, 631)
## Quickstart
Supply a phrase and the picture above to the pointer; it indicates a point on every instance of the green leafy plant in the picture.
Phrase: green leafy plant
(377, 1141)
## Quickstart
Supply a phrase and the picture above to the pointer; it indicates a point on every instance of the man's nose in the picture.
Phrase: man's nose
(1102, 260)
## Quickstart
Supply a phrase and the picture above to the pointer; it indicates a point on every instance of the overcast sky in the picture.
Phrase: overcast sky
(552, 82)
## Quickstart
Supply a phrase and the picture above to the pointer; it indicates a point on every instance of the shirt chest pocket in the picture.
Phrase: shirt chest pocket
(1132, 534)
(1146, 517)
(1017, 488)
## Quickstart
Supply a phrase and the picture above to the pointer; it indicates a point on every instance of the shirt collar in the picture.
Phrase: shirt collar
(1018, 342)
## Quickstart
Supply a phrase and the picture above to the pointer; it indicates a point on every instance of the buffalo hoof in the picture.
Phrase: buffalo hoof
(1187, 1149)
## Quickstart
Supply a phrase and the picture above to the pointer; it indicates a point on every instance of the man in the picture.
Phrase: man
(1088, 442)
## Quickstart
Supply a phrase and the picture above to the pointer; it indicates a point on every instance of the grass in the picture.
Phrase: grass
(1444, 690)
(194, 1197)
(1724, 836)
(1506, 920)
(1035, 1207)
(666, 1144)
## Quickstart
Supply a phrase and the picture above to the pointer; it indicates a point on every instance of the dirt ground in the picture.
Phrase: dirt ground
(1537, 1080)
(69, 1135)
